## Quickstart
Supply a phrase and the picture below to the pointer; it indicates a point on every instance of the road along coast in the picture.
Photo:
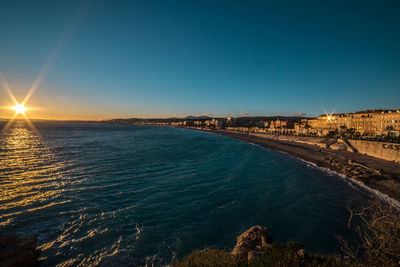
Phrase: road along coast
(380, 175)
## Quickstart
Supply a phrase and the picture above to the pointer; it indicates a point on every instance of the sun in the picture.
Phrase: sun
(20, 109)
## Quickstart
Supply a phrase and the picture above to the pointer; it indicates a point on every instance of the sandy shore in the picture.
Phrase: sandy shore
(378, 174)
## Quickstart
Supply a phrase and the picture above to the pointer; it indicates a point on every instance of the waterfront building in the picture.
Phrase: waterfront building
(367, 123)
(199, 123)
(302, 127)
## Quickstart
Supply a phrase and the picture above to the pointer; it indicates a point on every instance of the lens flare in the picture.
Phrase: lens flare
(20, 109)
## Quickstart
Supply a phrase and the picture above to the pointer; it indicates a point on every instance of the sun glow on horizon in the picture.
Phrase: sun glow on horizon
(20, 109)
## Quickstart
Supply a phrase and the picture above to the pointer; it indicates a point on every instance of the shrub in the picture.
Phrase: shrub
(378, 242)
(289, 254)
(209, 258)
(292, 254)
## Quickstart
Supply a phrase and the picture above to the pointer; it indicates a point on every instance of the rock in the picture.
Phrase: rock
(252, 243)
(301, 253)
(16, 251)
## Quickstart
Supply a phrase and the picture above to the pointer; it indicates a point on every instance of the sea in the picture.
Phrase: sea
(114, 194)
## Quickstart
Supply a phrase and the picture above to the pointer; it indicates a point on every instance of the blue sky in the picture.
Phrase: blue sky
(167, 58)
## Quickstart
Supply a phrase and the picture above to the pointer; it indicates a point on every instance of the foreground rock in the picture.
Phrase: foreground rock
(16, 251)
(255, 247)
(252, 243)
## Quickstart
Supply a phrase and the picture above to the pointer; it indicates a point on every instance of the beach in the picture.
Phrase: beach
(379, 175)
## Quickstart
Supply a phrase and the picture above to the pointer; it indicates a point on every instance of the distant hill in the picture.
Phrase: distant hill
(253, 119)
(197, 117)
(269, 118)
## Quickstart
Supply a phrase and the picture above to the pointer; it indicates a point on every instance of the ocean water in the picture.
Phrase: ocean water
(103, 194)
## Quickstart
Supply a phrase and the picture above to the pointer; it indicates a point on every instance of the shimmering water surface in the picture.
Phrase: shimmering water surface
(112, 194)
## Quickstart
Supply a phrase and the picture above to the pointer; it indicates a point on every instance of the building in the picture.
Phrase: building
(367, 123)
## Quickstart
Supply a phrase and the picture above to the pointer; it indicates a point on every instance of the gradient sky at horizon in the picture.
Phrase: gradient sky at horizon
(178, 58)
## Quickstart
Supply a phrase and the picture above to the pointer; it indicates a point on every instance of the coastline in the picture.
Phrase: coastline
(379, 177)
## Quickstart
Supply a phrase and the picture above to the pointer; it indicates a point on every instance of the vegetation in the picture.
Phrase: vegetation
(292, 254)
(378, 244)
(289, 254)
(209, 258)
(334, 133)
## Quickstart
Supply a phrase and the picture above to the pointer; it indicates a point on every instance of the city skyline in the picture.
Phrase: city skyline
(102, 60)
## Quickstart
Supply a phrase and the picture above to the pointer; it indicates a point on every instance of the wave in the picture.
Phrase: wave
(144, 198)
(381, 196)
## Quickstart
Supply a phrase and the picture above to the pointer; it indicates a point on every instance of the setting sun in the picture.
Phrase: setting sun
(20, 108)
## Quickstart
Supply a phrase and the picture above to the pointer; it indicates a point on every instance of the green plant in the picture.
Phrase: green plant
(209, 258)
(282, 255)
(292, 254)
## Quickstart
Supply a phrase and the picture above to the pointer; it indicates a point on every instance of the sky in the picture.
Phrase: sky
(120, 59)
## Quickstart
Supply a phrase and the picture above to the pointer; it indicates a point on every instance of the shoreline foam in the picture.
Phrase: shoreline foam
(382, 196)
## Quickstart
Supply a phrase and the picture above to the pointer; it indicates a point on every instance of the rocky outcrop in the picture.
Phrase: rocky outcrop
(352, 169)
(16, 251)
(252, 243)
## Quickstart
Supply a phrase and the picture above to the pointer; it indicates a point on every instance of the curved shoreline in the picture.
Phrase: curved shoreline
(383, 183)
(381, 196)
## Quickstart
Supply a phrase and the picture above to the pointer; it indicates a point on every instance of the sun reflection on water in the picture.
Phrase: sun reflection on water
(25, 173)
